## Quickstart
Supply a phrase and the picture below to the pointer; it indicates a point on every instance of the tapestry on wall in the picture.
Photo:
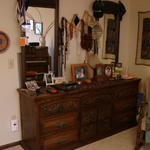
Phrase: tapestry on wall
(143, 40)
(109, 41)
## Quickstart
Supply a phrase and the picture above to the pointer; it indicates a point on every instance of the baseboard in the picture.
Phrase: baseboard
(10, 145)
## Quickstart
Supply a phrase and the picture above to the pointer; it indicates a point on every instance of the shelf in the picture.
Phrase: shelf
(36, 61)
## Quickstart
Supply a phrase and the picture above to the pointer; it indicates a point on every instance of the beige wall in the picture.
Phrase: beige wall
(135, 6)
(9, 99)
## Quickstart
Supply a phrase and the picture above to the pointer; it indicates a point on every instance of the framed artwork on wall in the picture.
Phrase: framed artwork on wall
(38, 28)
(109, 41)
(80, 72)
(143, 40)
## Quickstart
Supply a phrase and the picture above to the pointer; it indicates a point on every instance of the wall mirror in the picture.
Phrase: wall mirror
(42, 18)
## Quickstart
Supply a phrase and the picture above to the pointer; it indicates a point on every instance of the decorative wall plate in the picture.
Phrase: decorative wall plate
(4, 41)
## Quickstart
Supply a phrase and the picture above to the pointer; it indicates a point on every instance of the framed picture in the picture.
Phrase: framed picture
(80, 72)
(32, 85)
(104, 70)
(143, 40)
(109, 41)
(38, 28)
(48, 77)
(99, 70)
(108, 70)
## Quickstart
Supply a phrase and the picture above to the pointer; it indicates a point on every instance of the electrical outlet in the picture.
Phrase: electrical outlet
(14, 125)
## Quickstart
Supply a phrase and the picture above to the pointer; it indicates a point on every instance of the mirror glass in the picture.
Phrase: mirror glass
(39, 28)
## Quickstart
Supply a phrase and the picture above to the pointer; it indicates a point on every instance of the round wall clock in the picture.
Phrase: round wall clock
(4, 41)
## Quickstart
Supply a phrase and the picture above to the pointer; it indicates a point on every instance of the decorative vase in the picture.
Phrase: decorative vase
(42, 41)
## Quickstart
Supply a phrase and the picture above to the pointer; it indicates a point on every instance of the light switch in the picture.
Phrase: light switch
(10, 63)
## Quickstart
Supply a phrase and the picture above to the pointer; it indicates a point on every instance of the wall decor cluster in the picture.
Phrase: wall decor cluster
(4, 41)
(109, 42)
(143, 40)
(90, 32)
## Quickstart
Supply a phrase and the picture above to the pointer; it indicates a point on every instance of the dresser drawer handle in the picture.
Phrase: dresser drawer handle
(61, 141)
(61, 124)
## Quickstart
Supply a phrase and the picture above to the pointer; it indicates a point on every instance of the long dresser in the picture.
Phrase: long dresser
(67, 120)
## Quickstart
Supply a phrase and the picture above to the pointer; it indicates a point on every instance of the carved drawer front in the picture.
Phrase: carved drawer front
(62, 123)
(94, 98)
(88, 132)
(104, 110)
(126, 91)
(48, 109)
(104, 127)
(124, 119)
(88, 100)
(88, 116)
(58, 141)
(125, 105)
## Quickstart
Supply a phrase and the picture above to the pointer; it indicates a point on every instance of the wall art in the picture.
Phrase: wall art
(109, 42)
(143, 40)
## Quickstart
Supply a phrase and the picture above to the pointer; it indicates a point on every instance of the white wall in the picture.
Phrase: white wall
(9, 100)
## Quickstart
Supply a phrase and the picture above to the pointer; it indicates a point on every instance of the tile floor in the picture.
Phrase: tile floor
(122, 141)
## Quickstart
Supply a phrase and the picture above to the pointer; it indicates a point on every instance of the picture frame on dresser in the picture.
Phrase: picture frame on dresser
(80, 72)
(48, 77)
(108, 69)
(103, 71)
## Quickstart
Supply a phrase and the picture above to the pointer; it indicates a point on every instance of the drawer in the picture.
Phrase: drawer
(58, 124)
(104, 127)
(95, 98)
(104, 109)
(124, 105)
(58, 141)
(88, 116)
(124, 119)
(88, 132)
(48, 109)
(126, 91)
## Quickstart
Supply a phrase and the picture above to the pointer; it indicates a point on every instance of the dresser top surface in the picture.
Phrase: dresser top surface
(78, 88)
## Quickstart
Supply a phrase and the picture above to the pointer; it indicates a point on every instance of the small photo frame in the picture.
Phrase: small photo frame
(32, 85)
(80, 72)
(104, 70)
(38, 28)
(100, 70)
(108, 70)
(48, 77)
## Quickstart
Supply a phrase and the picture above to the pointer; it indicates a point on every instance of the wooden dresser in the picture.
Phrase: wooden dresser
(68, 120)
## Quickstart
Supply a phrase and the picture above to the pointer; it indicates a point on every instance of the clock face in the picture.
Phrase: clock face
(4, 41)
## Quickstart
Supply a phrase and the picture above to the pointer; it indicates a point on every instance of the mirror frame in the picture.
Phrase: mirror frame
(51, 4)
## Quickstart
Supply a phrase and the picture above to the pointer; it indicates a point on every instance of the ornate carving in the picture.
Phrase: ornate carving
(48, 109)
(88, 117)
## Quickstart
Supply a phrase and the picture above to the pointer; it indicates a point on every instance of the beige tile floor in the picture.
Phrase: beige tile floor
(122, 141)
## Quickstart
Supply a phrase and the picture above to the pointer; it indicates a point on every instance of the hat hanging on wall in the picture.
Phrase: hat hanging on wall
(97, 9)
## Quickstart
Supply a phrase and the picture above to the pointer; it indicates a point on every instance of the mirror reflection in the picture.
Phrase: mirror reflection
(39, 28)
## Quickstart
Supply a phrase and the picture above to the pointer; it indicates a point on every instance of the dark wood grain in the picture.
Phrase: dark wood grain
(68, 120)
